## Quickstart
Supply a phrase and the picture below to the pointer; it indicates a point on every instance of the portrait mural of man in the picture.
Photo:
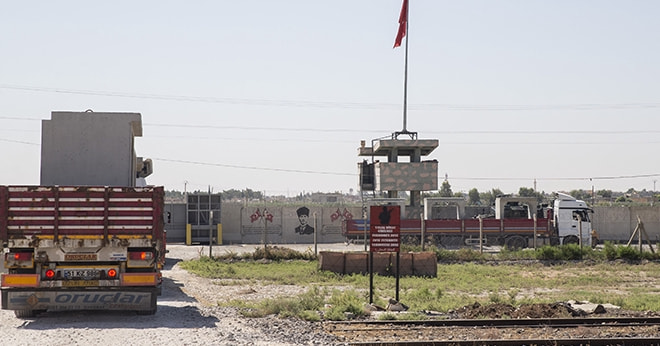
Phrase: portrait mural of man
(303, 217)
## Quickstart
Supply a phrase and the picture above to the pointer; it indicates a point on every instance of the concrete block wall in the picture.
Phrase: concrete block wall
(241, 225)
(617, 223)
(410, 263)
(277, 224)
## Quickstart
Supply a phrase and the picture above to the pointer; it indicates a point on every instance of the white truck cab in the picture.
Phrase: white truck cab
(572, 220)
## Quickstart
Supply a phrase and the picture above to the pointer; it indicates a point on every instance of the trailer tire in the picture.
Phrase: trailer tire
(515, 242)
(25, 313)
(147, 312)
(151, 311)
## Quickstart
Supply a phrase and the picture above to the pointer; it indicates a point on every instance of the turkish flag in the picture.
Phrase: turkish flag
(403, 23)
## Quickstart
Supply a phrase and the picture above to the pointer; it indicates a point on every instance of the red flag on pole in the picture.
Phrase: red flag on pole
(403, 22)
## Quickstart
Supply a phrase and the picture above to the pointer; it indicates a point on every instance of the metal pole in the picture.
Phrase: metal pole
(371, 277)
(579, 217)
(210, 226)
(481, 234)
(316, 229)
(265, 231)
(210, 234)
(421, 218)
(364, 225)
(639, 232)
(405, 73)
(397, 274)
(535, 231)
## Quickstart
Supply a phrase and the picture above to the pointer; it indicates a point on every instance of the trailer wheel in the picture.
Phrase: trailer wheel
(24, 313)
(516, 242)
(151, 311)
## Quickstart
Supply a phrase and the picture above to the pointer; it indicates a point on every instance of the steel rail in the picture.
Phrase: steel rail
(396, 327)
(524, 342)
(543, 322)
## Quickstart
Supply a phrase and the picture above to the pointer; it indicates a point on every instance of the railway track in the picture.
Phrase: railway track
(505, 332)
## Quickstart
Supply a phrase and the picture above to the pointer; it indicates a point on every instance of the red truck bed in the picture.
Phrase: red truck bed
(82, 210)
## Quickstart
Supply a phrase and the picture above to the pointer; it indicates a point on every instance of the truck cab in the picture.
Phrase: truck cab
(572, 220)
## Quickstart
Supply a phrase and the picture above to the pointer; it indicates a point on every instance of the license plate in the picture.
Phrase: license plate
(85, 274)
(80, 283)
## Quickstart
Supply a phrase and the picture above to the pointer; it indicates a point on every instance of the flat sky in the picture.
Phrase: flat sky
(276, 96)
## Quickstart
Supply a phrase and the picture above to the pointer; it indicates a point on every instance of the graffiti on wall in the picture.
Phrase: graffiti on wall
(337, 221)
(261, 221)
(341, 215)
(266, 215)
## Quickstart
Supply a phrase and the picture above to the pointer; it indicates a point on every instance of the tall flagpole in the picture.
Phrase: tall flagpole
(405, 73)
(400, 35)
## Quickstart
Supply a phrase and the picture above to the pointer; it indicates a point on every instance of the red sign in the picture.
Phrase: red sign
(385, 228)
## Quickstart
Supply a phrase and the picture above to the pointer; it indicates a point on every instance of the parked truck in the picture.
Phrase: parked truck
(515, 222)
(81, 248)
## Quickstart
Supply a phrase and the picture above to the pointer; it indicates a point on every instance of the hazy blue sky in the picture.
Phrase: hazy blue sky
(276, 95)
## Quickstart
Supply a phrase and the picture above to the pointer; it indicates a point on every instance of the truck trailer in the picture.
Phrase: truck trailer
(514, 222)
(81, 248)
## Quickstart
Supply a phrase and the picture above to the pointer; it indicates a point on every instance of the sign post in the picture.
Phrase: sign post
(385, 236)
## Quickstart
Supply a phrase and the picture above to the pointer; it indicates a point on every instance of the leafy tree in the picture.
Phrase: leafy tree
(526, 192)
(473, 197)
(580, 194)
(241, 194)
(488, 197)
(529, 192)
(604, 193)
(622, 199)
(445, 189)
(173, 194)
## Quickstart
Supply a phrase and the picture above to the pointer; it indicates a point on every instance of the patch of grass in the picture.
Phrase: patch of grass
(407, 316)
(285, 273)
(625, 282)
(304, 306)
(387, 317)
(460, 255)
(343, 302)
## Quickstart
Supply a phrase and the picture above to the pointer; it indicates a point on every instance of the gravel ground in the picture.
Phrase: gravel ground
(186, 315)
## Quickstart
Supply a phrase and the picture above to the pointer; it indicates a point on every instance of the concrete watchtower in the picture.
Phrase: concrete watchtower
(404, 170)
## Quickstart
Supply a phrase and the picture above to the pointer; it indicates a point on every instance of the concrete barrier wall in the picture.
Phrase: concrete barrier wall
(410, 263)
(617, 223)
(242, 224)
(284, 225)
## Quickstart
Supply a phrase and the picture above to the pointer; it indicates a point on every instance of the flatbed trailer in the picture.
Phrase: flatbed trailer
(81, 248)
(514, 233)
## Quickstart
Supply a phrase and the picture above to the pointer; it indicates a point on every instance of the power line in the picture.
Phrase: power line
(361, 130)
(345, 105)
(447, 132)
(614, 177)
(20, 142)
(617, 177)
(252, 167)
